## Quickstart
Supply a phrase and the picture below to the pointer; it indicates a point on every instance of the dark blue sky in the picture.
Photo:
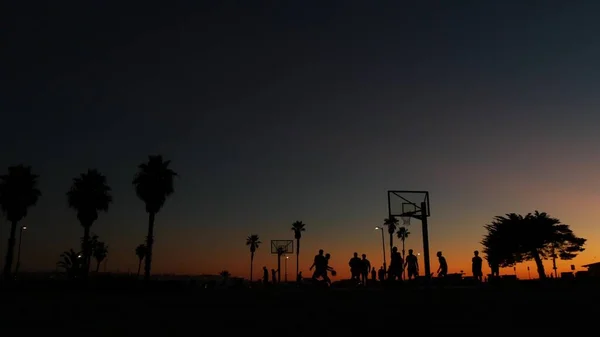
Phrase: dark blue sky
(278, 112)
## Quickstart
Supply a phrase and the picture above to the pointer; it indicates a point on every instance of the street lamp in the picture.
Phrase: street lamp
(23, 228)
(286, 259)
(382, 245)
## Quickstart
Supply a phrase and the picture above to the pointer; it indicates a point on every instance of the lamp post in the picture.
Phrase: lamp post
(23, 228)
(383, 246)
(286, 259)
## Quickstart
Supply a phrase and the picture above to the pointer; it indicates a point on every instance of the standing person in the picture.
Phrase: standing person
(366, 266)
(396, 265)
(381, 274)
(265, 275)
(443, 269)
(412, 265)
(355, 268)
(476, 267)
(373, 274)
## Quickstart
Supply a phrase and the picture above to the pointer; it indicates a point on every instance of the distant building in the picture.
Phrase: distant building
(593, 269)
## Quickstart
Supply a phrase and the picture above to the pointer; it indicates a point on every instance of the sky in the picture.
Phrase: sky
(275, 111)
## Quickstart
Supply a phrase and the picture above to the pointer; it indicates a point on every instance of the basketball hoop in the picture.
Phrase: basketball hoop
(406, 218)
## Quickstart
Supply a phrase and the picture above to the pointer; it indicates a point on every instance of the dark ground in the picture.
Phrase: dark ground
(556, 311)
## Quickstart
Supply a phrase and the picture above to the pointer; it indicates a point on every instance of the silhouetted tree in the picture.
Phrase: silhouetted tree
(153, 184)
(99, 251)
(298, 228)
(514, 238)
(140, 252)
(225, 275)
(402, 235)
(253, 241)
(88, 195)
(392, 225)
(18, 192)
(71, 262)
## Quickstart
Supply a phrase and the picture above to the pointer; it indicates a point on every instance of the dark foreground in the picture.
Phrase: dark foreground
(470, 311)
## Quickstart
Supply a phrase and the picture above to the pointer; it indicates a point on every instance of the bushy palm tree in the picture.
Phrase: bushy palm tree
(515, 238)
(88, 195)
(153, 184)
(392, 225)
(298, 227)
(253, 241)
(225, 275)
(140, 252)
(18, 192)
(71, 262)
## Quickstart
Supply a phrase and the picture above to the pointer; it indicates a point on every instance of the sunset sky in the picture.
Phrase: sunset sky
(278, 113)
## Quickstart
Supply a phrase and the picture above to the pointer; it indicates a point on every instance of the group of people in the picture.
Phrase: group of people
(361, 267)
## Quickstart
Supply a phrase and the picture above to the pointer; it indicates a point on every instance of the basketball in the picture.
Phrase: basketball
(333, 273)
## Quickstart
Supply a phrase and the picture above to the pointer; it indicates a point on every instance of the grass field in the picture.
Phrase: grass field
(301, 312)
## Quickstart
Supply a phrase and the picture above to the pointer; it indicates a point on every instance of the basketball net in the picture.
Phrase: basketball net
(406, 219)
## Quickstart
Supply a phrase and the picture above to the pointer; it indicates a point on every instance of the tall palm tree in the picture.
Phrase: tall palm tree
(88, 195)
(392, 225)
(140, 252)
(153, 184)
(100, 252)
(253, 241)
(298, 228)
(18, 192)
(402, 235)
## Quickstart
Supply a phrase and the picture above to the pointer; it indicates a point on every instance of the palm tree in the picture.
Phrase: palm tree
(252, 241)
(515, 238)
(402, 235)
(225, 275)
(100, 252)
(140, 251)
(88, 195)
(298, 228)
(71, 262)
(392, 225)
(153, 184)
(18, 192)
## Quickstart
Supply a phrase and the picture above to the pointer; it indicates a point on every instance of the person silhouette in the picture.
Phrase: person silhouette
(328, 269)
(274, 276)
(495, 267)
(381, 274)
(355, 268)
(443, 269)
(299, 277)
(320, 266)
(365, 267)
(265, 275)
(477, 263)
(412, 265)
(373, 274)
(396, 265)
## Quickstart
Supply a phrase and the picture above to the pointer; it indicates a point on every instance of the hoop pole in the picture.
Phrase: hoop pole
(425, 240)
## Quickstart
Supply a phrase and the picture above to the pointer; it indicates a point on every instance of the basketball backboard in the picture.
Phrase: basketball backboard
(282, 247)
(408, 203)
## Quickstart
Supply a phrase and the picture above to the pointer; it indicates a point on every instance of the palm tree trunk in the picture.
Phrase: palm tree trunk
(540, 265)
(85, 248)
(297, 257)
(98, 265)
(139, 268)
(391, 246)
(149, 244)
(251, 266)
(10, 252)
